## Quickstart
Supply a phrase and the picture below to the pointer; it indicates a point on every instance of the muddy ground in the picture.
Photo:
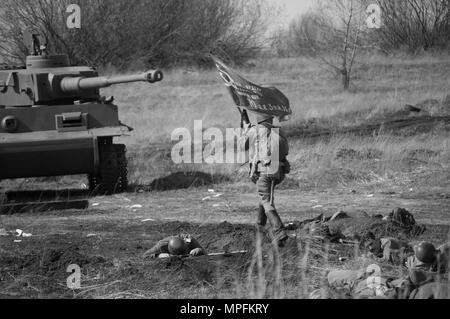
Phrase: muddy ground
(109, 239)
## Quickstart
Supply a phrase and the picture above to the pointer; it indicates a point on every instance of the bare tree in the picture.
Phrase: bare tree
(334, 34)
(140, 32)
(415, 24)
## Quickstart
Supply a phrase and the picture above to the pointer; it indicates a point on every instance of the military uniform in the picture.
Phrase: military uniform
(417, 285)
(432, 290)
(441, 263)
(358, 284)
(162, 247)
(267, 151)
(391, 250)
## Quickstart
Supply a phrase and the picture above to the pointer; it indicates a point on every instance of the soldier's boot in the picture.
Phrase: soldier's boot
(279, 233)
(261, 221)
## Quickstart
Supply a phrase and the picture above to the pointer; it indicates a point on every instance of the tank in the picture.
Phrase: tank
(54, 122)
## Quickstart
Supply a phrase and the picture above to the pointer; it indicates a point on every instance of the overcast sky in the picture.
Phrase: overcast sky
(294, 7)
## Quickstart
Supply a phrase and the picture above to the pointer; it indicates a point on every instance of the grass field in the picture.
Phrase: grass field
(382, 87)
(371, 173)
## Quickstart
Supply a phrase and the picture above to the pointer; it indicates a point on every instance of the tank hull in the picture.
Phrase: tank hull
(47, 158)
(56, 140)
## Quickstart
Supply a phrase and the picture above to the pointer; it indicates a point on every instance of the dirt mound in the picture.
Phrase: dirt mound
(226, 237)
(52, 260)
(183, 180)
(212, 270)
(200, 270)
(435, 107)
(361, 228)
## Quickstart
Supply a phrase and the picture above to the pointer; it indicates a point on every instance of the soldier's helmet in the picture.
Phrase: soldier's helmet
(261, 117)
(177, 246)
(426, 252)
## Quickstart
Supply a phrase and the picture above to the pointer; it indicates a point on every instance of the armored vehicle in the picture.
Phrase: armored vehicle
(54, 122)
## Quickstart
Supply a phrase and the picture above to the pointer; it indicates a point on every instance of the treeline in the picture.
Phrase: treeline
(140, 33)
(406, 25)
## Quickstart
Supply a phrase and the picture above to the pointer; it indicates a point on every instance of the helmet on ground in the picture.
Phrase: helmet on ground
(177, 246)
(426, 252)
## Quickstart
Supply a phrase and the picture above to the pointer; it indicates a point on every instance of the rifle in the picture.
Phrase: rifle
(224, 254)
(228, 254)
(349, 242)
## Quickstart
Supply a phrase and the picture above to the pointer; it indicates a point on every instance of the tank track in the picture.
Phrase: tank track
(112, 177)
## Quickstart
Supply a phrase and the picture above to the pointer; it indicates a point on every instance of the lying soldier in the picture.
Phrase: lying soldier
(432, 290)
(358, 284)
(361, 284)
(182, 245)
(426, 257)
(390, 250)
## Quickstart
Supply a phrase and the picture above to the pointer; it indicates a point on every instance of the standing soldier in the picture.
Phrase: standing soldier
(267, 148)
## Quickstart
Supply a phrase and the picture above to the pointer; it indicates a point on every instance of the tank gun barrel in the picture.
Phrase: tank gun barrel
(76, 84)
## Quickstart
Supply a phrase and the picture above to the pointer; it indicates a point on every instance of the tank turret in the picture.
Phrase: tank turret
(50, 80)
(53, 113)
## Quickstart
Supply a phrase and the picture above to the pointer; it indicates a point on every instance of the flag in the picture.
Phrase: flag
(255, 98)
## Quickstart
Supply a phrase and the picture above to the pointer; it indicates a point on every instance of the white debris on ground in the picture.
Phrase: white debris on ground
(121, 197)
(214, 195)
(148, 220)
(21, 233)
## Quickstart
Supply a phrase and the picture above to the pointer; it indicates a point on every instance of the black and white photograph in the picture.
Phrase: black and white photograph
(225, 155)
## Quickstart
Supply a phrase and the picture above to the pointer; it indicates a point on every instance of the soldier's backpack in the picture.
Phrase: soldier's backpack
(402, 218)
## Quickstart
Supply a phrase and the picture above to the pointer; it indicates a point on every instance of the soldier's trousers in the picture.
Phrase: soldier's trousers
(267, 211)
(355, 282)
(433, 290)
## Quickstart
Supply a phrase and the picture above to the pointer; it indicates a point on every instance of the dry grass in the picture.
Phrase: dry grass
(381, 160)
(381, 86)
(384, 162)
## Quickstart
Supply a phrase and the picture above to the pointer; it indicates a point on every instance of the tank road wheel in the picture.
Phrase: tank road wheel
(112, 177)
